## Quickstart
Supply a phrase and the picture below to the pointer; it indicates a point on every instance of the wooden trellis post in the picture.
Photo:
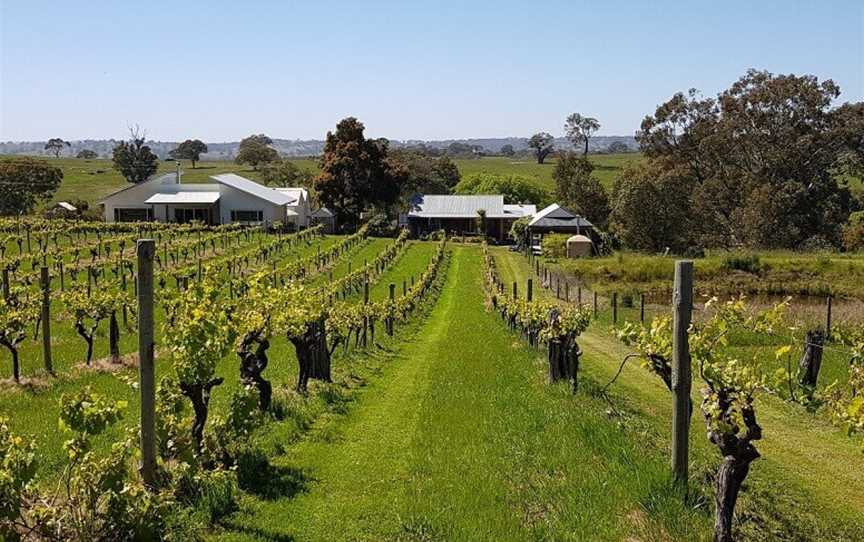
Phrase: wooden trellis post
(614, 308)
(530, 294)
(828, 317)
(46, 319)
(642, 308)
(146, 368)
(682, 305)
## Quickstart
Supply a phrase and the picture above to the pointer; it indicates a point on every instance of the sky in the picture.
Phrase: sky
(221, 70)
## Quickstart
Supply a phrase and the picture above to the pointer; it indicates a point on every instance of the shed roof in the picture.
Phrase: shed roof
(556, 217)
(520, 210)
(66, 205)
(251, 187)
(465, 206)
(295, 193)
(323, 212)
(184, 197)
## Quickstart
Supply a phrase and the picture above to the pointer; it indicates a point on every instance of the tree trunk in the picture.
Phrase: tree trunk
(16, 369)
(733, 471)
(252, 364)
(313, 355)
(88, 338)
(811, 361)
(199, 395)
(114, 338)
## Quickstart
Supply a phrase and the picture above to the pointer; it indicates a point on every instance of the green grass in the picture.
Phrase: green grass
(92, 180)
(808, 484)
(607, 167)
(460, 439)
(765, 273)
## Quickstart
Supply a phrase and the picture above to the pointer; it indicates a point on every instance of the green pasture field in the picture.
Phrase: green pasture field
(92, 180)
(756, 273)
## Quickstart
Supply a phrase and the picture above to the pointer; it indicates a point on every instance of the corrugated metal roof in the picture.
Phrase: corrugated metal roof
(295, 193)
(519, 210)
(323, 212)
(184, 197)
(253, 188)
(160, 178)
(439, 206)
(66, 205)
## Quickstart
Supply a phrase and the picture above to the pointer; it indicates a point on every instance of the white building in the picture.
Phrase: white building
(230, 198)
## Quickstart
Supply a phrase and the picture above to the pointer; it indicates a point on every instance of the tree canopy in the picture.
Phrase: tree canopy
(542, 144)
(357, 174)
(86, 154)
(579, 130)
(757, 166)
(191, 150)
(515, 188)
(427, 174)
(255, 150)
(648, 211)
(577, 189)
(25, 182)
(507, 150)
(56, 145)
(134, 159)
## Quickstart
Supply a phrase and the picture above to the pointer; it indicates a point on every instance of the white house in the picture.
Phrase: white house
(230, 198)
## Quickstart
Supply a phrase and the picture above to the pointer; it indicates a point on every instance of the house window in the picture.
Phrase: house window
(186, 215)
(133, 215)
(247, 216)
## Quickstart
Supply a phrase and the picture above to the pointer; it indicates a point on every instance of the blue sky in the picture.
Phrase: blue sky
(219, 71)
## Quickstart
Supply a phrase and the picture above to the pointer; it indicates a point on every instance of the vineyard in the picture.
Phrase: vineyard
(314, 387)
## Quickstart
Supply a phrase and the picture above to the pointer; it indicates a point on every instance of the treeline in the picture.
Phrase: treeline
(765, 164)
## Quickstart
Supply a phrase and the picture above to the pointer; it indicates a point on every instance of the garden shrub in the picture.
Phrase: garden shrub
(749, 263)
(555, 245)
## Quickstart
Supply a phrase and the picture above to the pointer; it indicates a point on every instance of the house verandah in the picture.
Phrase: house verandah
(461, 215)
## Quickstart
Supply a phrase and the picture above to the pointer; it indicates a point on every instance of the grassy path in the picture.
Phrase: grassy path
(462, 439)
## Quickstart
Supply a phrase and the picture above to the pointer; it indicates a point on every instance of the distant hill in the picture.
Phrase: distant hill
(298, 147)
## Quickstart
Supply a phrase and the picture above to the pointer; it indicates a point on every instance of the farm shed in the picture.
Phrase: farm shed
(229, 198)
(555, 219)
(460, 214)
(325, 217)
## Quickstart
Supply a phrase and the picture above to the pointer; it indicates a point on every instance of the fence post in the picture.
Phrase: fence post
(530, 294)
(682, 305)
(567, 291)
(579, 294)
(642, 308)
(557, 287)
(828, 318)
(147, 373)
(536, 267)
(515, 296)
(614, 308)
(46, 319)
(595, 304)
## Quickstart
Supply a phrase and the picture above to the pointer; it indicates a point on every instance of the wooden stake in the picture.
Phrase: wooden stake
(682, 304)
(146, 372)
(46, 319)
